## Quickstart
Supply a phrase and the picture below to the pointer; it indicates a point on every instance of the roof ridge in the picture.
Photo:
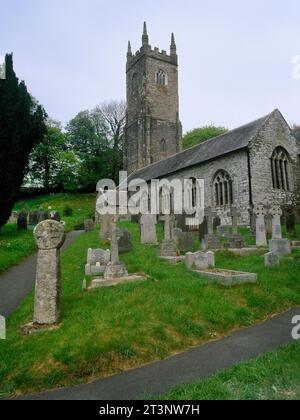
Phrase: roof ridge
(198, 146)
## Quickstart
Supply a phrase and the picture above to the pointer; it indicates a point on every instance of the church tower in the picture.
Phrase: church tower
(153, 129)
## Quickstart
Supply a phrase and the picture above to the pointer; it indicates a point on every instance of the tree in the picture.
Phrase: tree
(200, 135)
(22, 126)
(114, 115)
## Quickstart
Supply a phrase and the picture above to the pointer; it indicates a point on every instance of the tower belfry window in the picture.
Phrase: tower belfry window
(161, 78)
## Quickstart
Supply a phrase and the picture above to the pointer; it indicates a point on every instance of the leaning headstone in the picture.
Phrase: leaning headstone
(280, 246)
(272, 260)
(125, 241)
(168, 246)
(49, 236)
(261, 234)
(97, 260)
(22, 220)
(276, 214)
(115, 269)
(89, 225)
(106, 221)
(148, 229)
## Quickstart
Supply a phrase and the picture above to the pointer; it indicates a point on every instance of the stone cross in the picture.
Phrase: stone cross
(261, 234)
(276, 212)
(49, 236)
(235, 214)
(115, 237)
(210, 215)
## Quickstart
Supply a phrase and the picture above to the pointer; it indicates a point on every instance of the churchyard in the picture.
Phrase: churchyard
(97, 331)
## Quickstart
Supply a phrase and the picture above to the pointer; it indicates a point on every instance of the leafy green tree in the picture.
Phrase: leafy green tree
(200, 135)
(22, 126)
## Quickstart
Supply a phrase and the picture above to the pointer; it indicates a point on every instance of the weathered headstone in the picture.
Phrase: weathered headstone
(43, 215)
(223, 231)
(22, 220)
(168, 246)
(115, 269)
(176, 232)
(49, 236)
(261, 234)
(280, 246)
(125, 241)
(276, 214)
(97, 260)
(200, 260)
(89, 225)
(148, 229)
(210, 241)
(185, 241)
(210, 216)
(272, 260)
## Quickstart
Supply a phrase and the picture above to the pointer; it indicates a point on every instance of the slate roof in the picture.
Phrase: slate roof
(211, 149)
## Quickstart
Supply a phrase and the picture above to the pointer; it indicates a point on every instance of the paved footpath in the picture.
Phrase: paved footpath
(202, 362)
(18, 282)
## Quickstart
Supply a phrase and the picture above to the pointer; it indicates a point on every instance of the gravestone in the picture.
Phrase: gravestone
(280, 246)
(148, 229)
(34, 218)
(13, 218)
(261, 234)
(125, 241)
(176, 232)
(185, 241)
(106, 221)
(216, 223)
(291, 223)
(210, 216)
(276, 214)
(269, 223)
(49, 236)
(223, 231)
(97, 260)
(168, 246)
(22, 220)
(203, 230)
(272, 260)
(43, 215)
(89, 225)
(200, 260)
(235, 215)
(115, 269)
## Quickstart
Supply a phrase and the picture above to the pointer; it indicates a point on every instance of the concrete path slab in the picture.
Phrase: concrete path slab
(158, 378)
(19, 281)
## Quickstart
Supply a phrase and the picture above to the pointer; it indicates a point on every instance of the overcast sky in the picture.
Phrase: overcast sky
(235, 56)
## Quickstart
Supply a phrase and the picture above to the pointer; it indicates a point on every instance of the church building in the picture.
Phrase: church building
(257, 163)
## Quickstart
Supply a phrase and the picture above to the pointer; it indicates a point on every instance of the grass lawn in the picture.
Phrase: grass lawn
(15, 246)
(274, 376)
(111, 330)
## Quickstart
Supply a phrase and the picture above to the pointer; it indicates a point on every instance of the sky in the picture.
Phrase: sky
(235, 57)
